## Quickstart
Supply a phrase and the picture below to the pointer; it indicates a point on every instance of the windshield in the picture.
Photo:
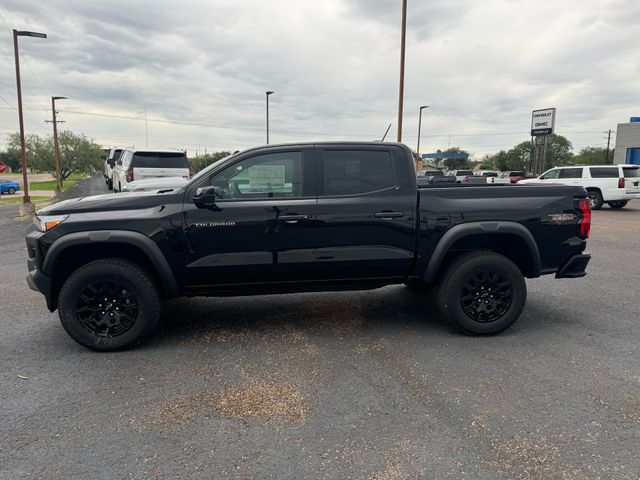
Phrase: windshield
(631, 172)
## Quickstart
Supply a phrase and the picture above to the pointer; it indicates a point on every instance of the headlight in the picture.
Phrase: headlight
(47, 222)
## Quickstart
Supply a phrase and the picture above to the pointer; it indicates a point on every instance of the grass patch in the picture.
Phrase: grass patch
(12, 200)
(51, 185)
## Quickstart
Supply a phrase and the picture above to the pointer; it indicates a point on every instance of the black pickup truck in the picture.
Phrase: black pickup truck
(302, 217)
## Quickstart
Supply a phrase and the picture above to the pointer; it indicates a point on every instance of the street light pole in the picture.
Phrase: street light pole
(56, 145)
(402, 55)
(26, 207)
(268, 92)
(420, 127)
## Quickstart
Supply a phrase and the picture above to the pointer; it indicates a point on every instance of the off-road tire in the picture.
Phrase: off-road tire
(454, 285)
(139, 287)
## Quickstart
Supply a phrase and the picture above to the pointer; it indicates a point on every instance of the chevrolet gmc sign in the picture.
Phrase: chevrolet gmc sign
(543, 121)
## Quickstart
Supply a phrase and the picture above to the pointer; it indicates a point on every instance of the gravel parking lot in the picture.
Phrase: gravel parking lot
(364, 385)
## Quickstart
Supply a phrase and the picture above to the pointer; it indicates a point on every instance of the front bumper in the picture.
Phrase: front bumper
(37, 280)
(575, 267)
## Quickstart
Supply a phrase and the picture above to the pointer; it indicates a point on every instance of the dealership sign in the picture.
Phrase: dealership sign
(543, 121)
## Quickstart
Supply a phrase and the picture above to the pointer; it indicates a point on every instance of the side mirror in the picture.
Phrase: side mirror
(205, 197)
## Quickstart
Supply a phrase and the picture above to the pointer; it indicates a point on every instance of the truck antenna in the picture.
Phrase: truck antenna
(385, 133)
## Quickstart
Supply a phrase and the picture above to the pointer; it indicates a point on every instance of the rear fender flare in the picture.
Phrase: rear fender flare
(462, 230)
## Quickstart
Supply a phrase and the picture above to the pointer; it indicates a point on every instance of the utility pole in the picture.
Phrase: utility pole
(402, 56)
(606, 158)
(27, 207)
(56, 145)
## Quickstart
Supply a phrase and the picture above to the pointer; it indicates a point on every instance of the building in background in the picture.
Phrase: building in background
(628, 142)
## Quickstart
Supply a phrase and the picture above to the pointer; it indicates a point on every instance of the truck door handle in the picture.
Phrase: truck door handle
(388, 215)
(293, 218)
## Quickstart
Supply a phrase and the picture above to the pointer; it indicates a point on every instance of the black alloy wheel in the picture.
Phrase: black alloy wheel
(481, 292)
(486, 296)
(109, 304)
(107, 309)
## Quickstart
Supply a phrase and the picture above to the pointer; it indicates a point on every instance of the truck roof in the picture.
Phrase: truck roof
(327, 143)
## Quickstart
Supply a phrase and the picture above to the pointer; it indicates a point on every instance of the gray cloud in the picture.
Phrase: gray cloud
(483, 66)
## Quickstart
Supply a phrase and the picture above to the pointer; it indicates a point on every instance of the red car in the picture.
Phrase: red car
(516, 175)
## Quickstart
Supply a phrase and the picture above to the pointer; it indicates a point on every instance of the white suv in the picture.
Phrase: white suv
(112, 157)
(139, 164)
(614, 185)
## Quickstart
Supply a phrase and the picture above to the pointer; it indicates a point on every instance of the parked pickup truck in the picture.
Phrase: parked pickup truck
(302, 217)
(426, 177)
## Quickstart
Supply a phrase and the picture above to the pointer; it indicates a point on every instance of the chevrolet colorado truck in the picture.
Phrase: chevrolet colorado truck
(302, 217)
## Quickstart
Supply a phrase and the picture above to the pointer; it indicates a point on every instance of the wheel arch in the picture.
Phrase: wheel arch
(73, 250)
(510, 239)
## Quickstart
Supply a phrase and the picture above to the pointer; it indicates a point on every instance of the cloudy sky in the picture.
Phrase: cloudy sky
(200, 69)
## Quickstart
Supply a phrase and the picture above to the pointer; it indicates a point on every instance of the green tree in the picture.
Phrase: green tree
(78, 154)
(592, 156)
(559, 151)
(455, 163)
(200, 162)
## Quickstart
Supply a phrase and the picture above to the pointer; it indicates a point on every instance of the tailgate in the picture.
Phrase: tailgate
(631, 179)
(140, 173)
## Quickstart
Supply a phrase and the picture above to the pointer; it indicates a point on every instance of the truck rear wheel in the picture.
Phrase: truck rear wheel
(109, 304)
(482, 293)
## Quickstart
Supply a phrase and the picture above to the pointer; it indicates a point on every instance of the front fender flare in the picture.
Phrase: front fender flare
(136, 239)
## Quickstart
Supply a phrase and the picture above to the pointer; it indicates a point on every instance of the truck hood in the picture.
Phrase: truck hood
(112, 201)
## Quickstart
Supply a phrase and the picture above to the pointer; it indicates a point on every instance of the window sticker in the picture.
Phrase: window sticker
(261, 176)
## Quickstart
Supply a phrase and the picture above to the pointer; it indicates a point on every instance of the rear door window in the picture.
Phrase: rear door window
(604, 172)
(356, 172)
(570, 173)
(159, 160)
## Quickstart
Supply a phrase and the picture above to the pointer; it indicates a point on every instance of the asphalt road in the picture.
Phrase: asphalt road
(332, 385)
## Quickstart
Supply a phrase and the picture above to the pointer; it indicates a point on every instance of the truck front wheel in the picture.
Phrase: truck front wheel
(482, 293)
(109, 304)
